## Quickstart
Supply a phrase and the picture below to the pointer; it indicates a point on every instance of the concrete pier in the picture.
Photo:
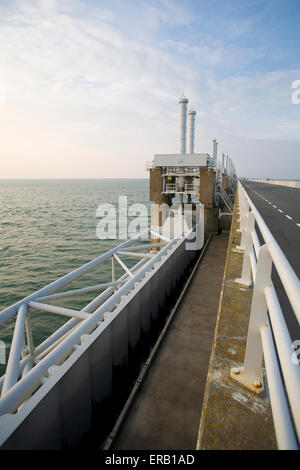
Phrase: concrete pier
(165, 413)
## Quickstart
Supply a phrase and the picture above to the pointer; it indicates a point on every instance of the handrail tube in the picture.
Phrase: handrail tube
(142, 247)
(28, 329)
(123, 265)
(122, 291)
(12, 369)
(64, 330)
(226, 196)
(53, 345)
(131, 254)
(23, 389)
(291, 372)
(159, 235)
(28, 384)
(283, 426)
(50, 288)
(277, 352)
(253, 264)
(58, 310)
(78, 291)
(288, 277)
(256, 243)
(89, 308)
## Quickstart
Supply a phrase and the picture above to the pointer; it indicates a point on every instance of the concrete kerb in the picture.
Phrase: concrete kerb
(233, 417)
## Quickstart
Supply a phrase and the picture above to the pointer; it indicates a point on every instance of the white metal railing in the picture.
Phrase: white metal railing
(183, 188)
(171, 187)
(268, 335)
(28, 364)
(181, 171)
(225, 198)
(192, 187)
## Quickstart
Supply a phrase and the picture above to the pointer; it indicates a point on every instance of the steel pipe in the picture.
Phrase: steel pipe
(183, 109)
(12, 369)
(89, 308)
(288, 277)
(123, 265)
(50, 288)
(25, 387)
(291, 372)
(59, 310)
(135, 255)
(282, 421)
(191, 139)
(79, 291)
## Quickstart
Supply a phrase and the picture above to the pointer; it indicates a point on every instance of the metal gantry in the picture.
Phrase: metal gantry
(24, 355)
(29, 365)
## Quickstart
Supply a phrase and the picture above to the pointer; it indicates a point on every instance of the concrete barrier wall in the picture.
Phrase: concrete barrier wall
(290, 184)
(59, 414)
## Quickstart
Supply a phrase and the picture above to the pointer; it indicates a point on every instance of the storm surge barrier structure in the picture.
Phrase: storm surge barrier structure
(268, 335)
(49, 390)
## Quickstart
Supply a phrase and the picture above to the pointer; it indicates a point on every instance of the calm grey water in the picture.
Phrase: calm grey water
(47, 229)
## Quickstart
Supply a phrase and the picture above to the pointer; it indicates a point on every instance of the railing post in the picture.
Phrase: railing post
(245, 279)
(243, 220)
(243, 223)
(29, 334)
(250, 375)
(240, 204)
(113, 277)
(13, 364)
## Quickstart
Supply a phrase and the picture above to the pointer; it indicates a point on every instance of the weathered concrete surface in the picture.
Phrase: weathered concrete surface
(224, 181)
(206, 197)
(155, 186)
(211, 220)
(207, 187)
(167, 409)
(232, 417)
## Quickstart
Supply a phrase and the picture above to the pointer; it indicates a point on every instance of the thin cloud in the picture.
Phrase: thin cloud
(80, 88)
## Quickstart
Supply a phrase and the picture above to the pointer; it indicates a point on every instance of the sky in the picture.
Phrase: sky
(90, 88)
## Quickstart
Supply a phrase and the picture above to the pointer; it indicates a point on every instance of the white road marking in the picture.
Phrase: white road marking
(279, 210)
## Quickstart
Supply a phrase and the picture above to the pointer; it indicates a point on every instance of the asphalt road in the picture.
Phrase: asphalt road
(280, 208)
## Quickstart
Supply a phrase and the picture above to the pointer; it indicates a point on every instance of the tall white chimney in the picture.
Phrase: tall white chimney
(223, 162)
(191, 138)
(214, 150)
(227, 166)
(183, 108)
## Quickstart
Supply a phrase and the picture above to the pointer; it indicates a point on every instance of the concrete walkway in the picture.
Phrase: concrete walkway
(167, 409)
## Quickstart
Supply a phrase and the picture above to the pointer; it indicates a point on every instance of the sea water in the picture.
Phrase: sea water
(47, 229)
